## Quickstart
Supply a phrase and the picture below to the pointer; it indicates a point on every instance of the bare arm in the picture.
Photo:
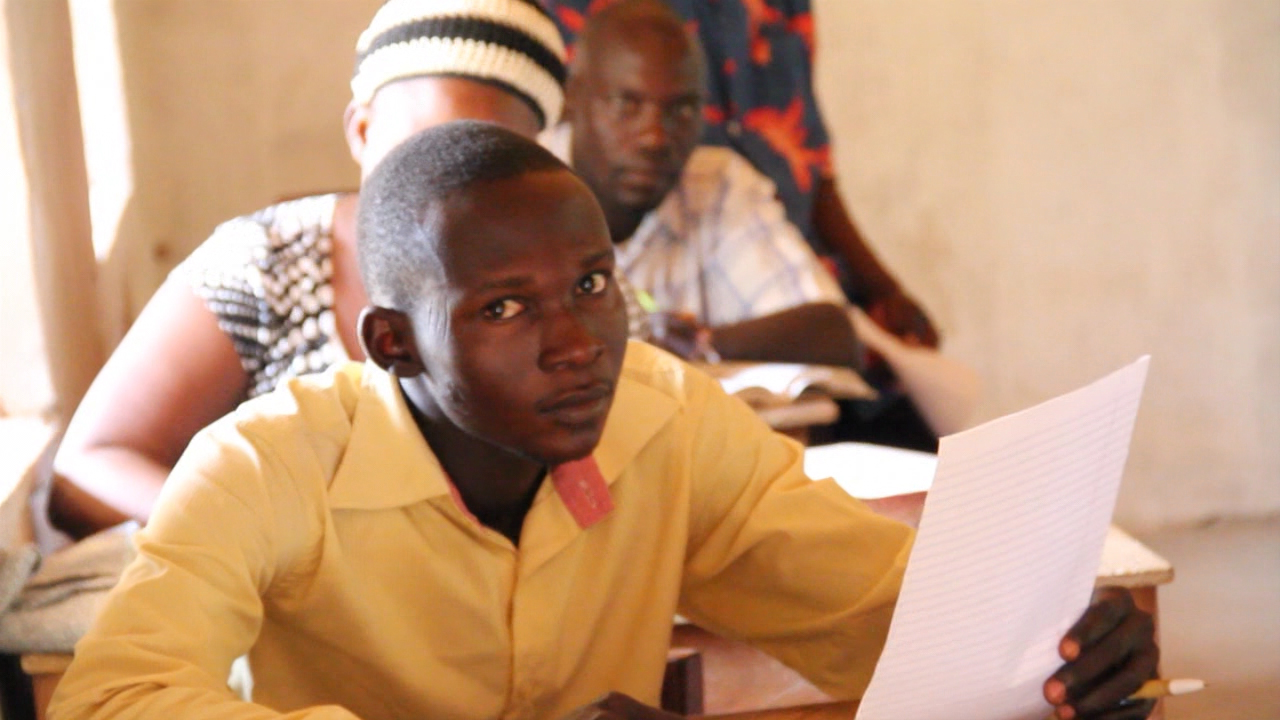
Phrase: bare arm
(888, 305)
(175, 372)
(818, 333)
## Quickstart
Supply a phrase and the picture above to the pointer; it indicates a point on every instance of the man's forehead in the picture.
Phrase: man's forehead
(480, 228)
(648, 55)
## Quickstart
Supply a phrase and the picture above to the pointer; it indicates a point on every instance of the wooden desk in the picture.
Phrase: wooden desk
(1128, 563)
(822, 711)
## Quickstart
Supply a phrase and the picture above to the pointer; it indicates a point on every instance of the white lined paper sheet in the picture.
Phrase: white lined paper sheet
(1006, 557)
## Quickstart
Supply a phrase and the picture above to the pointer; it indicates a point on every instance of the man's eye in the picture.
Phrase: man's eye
(504, 309)
(684, 110)
(594, 284)
(625, 106)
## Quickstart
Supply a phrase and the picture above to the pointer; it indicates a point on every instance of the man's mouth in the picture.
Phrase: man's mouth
(580, 406)
(650, 176)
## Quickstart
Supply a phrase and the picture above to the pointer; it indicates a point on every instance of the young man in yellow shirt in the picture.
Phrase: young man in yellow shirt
(500, 513)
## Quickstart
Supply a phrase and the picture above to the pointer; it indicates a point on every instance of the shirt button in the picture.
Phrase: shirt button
(734, 128)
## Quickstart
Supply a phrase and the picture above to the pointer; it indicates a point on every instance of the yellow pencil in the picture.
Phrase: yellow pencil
(1159, 688)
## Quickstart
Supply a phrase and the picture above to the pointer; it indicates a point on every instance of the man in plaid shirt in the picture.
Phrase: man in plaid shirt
(696, 228)
(761, 103)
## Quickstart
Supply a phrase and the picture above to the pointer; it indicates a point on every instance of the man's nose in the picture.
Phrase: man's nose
(652, 131)
(568, 341)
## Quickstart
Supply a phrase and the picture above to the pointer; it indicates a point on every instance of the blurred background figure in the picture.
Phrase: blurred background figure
(761, 103)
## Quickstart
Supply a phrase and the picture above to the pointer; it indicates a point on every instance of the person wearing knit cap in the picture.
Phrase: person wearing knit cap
(275, 294)
(423, 62)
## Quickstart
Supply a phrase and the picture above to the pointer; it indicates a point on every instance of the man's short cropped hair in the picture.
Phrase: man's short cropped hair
(395, 246)
(513, 44)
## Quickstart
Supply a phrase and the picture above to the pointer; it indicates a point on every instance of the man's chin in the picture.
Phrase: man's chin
(577, 447)
(642, 199)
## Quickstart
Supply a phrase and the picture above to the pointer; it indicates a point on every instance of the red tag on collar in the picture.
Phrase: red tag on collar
(583, 491)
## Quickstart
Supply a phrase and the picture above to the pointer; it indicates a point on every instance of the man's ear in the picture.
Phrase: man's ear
(387, 339)
(355, 124)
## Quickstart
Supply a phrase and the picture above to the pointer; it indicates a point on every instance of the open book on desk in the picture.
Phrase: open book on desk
(766, 385)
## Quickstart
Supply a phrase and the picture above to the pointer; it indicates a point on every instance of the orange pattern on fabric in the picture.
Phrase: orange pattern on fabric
(802, 25)
(575, 21)
(785, 132)
(759, 14)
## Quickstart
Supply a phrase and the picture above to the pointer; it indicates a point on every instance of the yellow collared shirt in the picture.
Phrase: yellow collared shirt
(315, 530)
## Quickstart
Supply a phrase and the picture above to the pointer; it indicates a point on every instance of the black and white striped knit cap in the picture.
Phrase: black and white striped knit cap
(513, 43)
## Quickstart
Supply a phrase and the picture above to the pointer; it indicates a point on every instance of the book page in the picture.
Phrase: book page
(787, 380)
(1005, 560)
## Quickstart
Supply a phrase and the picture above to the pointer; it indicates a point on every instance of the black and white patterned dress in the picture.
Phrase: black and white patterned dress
(267, 277)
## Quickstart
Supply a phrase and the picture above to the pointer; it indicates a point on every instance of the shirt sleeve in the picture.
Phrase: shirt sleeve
(760, 264)
(191, 602)
(795, 567)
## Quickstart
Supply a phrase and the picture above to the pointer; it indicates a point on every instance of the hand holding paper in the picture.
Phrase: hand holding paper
(1004, 564)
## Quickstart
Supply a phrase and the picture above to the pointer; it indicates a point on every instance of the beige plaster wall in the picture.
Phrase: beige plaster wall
(228, 105)
(1068, 185)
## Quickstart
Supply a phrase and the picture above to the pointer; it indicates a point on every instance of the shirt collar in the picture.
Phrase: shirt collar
(388, 463)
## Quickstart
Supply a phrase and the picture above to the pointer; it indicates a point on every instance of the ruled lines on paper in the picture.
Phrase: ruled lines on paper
(1006, 557)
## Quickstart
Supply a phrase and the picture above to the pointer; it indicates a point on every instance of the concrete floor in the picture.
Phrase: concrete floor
(1220, 618)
